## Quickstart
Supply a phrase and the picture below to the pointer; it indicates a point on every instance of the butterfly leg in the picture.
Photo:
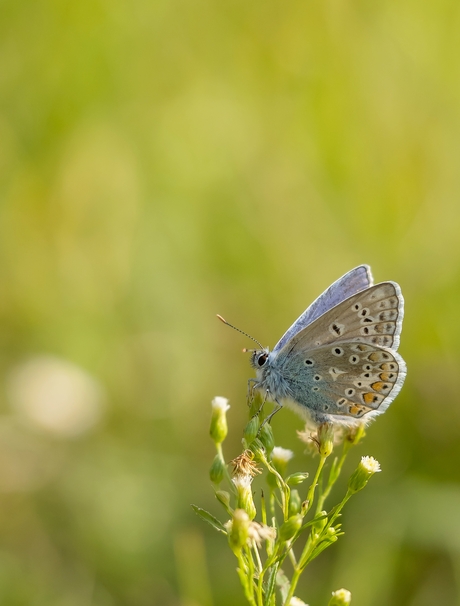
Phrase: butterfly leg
(259, 410)
(273, 413)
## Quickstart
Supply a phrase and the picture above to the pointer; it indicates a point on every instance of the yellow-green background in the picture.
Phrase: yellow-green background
(161, 161)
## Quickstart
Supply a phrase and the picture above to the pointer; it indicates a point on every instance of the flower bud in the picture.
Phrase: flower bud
(218, 429)
(318, 526)
(331, 534)
(223, 497)
(341, 597)
(217, 471)
(297, 602)
(361, 476)
(251, 429)
(266, 437)
(356, 433)
(245, 501)
(258, 450)
(295, 502)
(290, 527)
(296, 478)
(239, 531)
(325, 437)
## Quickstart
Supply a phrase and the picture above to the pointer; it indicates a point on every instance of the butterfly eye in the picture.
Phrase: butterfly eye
(262, 359)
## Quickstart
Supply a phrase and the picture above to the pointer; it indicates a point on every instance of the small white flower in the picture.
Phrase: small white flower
(370, 465)
(220, 404)
(297, 602)
(242, 482)
(281, 455)
(361, 476)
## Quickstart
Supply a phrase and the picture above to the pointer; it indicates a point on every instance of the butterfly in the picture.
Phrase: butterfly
(338, 362)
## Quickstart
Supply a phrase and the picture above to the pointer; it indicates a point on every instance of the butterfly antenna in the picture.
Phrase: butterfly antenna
(242, 332)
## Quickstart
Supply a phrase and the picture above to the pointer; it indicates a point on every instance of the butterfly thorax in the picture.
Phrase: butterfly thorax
(269, 376)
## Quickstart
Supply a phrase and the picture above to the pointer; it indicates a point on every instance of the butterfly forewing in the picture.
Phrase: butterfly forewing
(349, 284)
(373, 316)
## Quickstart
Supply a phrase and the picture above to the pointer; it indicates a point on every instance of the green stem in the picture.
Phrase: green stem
(337, 511)
(284, 489)
(309, 546)
(295, 579)
(333, 477)
(311, 490)
(227, 473)
(260, 589)
(243, 573)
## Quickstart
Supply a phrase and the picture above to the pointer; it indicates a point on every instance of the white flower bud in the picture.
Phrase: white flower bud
(218, 429)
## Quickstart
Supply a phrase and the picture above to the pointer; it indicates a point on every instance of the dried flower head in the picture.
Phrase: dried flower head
(244, 465)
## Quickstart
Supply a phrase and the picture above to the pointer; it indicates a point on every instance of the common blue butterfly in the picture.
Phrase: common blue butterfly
(338, 362)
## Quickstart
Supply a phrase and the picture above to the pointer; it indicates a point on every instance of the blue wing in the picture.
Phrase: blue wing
(354, 281)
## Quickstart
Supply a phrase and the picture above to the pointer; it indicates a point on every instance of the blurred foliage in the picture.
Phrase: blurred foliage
(164, 161)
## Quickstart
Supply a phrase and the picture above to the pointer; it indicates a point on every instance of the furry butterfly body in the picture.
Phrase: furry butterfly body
(338, 362)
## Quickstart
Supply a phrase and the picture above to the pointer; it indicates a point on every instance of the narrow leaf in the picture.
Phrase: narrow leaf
(209, 518)
(270, 585)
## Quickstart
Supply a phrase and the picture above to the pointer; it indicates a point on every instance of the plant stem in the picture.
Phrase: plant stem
(333, 478)
(227, 473)
(311, 490)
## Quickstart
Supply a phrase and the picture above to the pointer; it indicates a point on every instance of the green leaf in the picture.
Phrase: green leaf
(209, 518)
(270, 585)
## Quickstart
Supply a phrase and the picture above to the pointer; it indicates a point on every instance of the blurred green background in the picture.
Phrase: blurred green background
(164, 161)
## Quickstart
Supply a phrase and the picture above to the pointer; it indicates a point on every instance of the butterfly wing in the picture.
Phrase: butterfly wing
(372, 316)
(352, 282)
(360, 379)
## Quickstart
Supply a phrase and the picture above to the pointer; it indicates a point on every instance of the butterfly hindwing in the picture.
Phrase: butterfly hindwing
(348, 380)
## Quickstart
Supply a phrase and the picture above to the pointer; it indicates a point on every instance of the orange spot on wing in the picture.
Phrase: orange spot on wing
(386, 376)
(368, 398)
(356, 410)
(378, 386)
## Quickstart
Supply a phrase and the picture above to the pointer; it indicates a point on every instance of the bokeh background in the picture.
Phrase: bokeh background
(162, 161)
